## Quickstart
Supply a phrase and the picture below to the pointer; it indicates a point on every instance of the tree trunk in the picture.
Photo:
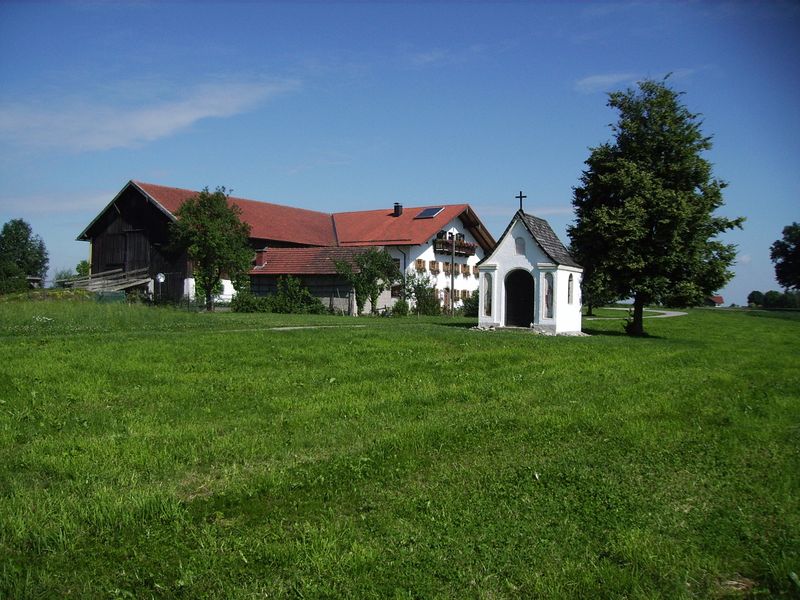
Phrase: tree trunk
(209, 300)
(589, 310)
(636, 326)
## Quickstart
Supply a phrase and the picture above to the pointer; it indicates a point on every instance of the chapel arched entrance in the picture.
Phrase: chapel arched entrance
(519, 299)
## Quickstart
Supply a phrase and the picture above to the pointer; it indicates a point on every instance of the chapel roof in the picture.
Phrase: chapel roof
(547, 239)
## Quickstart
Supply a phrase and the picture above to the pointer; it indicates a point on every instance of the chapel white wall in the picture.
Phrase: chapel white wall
(505, 259)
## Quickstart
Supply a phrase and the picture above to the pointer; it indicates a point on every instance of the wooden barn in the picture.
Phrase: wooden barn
(133, 232)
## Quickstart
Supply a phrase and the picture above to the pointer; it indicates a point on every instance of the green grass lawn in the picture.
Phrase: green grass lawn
(155, 453)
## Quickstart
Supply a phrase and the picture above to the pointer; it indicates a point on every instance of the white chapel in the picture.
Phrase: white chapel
(530, 280)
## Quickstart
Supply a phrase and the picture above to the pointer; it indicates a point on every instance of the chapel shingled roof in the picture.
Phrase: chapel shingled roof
(547, 239)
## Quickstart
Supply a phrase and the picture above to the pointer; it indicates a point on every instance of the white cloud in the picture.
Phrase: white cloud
(437, 57)
(81, 125)
(55, 203)
(602, 82)
(744, 259)
(605, 81)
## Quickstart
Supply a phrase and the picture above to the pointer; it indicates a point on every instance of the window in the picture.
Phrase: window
(475, 271)
(465, 270)
(446, 266)
(569, 289)
(519, 244)
(465, 294)
(487, 294)
(420, 265)
(548, 295)
(397, 291)
(434, 266)
(396, 262)
(429, 213)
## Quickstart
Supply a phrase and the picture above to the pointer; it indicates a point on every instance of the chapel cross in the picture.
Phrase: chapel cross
(520, 198)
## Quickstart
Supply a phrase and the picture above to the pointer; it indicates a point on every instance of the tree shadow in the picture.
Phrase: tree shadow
(620, 333)
(459, 325)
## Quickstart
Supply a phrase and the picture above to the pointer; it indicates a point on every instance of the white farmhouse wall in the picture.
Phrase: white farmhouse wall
(425, 252)
(227, 294)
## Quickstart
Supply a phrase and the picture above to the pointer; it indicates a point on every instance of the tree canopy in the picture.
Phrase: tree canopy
(645, 226)
(785, 253)
(22, 255)
(373, 272)
(209, 229)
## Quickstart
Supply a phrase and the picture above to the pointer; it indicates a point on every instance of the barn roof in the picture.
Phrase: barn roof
(384, 228)
(302, 261)
(267, 221)
(277, 222)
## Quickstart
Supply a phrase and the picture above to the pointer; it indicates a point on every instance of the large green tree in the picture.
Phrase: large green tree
(371, 272)
(22, 254)
(645, 226)
(209, 229)
(785, 253)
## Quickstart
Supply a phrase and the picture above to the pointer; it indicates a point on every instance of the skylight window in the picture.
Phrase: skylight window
(429, 213)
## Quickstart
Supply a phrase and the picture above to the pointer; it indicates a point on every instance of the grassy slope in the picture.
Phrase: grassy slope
(150, 453)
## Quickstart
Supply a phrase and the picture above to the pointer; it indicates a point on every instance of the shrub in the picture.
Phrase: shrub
(470, 307)
(245, 302)
(400, 308)
(293, 297)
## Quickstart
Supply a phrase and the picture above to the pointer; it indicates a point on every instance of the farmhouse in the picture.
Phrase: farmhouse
(445, 242)
(530, 280)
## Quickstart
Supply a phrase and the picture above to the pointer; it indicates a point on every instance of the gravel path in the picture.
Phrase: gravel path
(660, 314)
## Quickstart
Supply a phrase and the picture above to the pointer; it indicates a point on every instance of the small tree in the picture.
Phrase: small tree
(60, 275)
(785, 253)
(83, 268)
(755, 298)
(420, 289)
(371, 272)
(22, 255)
(644, 210)
(215, 239)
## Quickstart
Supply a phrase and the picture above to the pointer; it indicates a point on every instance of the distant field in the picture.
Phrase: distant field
(156, 453)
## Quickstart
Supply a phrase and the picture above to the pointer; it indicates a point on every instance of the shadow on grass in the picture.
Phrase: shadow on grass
(461, 325)
(620, 333)
(785, 314)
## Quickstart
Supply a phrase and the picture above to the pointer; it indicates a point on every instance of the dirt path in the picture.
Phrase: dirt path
(660, 314)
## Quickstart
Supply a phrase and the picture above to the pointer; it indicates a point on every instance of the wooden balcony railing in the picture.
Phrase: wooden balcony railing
(462, 248)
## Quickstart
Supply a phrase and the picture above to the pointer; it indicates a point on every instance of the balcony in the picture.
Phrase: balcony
(442, 246)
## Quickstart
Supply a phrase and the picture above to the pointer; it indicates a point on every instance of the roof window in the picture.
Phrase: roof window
(429, 213)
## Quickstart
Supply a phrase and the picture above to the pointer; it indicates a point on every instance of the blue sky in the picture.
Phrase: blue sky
(354, 106)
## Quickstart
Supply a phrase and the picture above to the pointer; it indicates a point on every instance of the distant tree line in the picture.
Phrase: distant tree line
(774, 299)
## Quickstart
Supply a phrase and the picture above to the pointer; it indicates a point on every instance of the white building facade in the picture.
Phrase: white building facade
(450, 259)
(530, 280)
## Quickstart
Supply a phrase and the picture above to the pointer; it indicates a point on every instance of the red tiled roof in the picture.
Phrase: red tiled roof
(280, 223)
(303, 261)
(381, 228)
(717, 300)
(267, 221)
